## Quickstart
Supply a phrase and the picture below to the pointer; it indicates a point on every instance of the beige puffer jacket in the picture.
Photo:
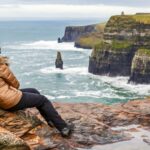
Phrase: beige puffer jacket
(10, 94)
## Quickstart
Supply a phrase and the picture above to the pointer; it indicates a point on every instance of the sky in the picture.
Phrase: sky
(69, 9)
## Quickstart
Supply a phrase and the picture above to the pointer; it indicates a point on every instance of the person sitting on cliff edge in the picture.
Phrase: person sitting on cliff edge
(12, 99)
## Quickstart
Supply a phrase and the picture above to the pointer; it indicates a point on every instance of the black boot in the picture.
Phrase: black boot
(67, 131)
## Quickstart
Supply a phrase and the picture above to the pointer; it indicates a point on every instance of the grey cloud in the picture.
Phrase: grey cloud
(135, 3)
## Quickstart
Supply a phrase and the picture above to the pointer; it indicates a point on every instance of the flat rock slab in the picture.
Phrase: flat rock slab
(93, 124)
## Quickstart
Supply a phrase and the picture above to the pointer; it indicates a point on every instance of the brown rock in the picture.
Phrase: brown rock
(93, 124)
(9, 141)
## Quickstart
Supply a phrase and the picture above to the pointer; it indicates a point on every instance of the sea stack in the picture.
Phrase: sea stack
(59, 61)
(59, 40)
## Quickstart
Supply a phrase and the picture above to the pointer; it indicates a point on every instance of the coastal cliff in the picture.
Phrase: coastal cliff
(84, 36)
(90, 40)
(26, 129)
(72, 33)
(114, 45)
(116, 54)
(112, 59)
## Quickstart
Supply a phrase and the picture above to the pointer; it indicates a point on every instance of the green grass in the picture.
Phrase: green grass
(143, 51)
(100, 27)
(145, 19)
(120, 45)
(137, 18)
(115, 46)
(126, 22)
(102, 45)
(89, 40)
(92, 39)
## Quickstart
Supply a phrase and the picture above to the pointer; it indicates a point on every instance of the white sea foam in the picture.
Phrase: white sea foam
(113, 84)
(72, 70)
(122, 83)
(63, 96)
(90, 94)
(52, 45)
(97, 94)
(50, 97)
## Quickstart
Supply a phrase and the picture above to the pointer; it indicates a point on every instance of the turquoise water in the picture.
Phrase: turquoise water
(32, 48)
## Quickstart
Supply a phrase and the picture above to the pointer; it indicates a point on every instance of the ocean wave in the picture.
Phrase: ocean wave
(75, 70)
(50, 97)
(121, 83)
(111, 84)
(52, 45)
(88, 94)
(98, 94)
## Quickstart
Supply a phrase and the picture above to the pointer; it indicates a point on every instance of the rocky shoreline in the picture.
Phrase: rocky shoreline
(94, 124)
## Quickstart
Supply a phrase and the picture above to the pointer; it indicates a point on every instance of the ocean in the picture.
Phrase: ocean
(32, 47)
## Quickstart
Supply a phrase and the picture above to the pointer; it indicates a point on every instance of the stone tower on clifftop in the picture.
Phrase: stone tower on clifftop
(122, 13)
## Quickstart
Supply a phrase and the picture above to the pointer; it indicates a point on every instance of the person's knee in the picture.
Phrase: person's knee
(35, 91)
(43, 100)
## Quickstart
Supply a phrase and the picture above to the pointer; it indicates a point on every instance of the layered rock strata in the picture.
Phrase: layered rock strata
(72, 33)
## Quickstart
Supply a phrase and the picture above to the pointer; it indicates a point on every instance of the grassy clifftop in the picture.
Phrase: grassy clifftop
(143, 18)
(118, 27)
(124, 31)
(91, 39)
(114, 46)
(143, 52)
(127, 22)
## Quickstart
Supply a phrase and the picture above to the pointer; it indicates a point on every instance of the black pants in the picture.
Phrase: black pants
(32, 98)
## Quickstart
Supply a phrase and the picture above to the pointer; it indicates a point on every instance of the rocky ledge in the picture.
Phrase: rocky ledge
(25, 130)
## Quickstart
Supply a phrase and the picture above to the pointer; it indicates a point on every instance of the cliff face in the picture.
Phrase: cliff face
(72, 33)
(111, 60)
(25, 130)
(123, 36)
(140, 70)
(128, 27)
(112, 64)
(84, 36)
